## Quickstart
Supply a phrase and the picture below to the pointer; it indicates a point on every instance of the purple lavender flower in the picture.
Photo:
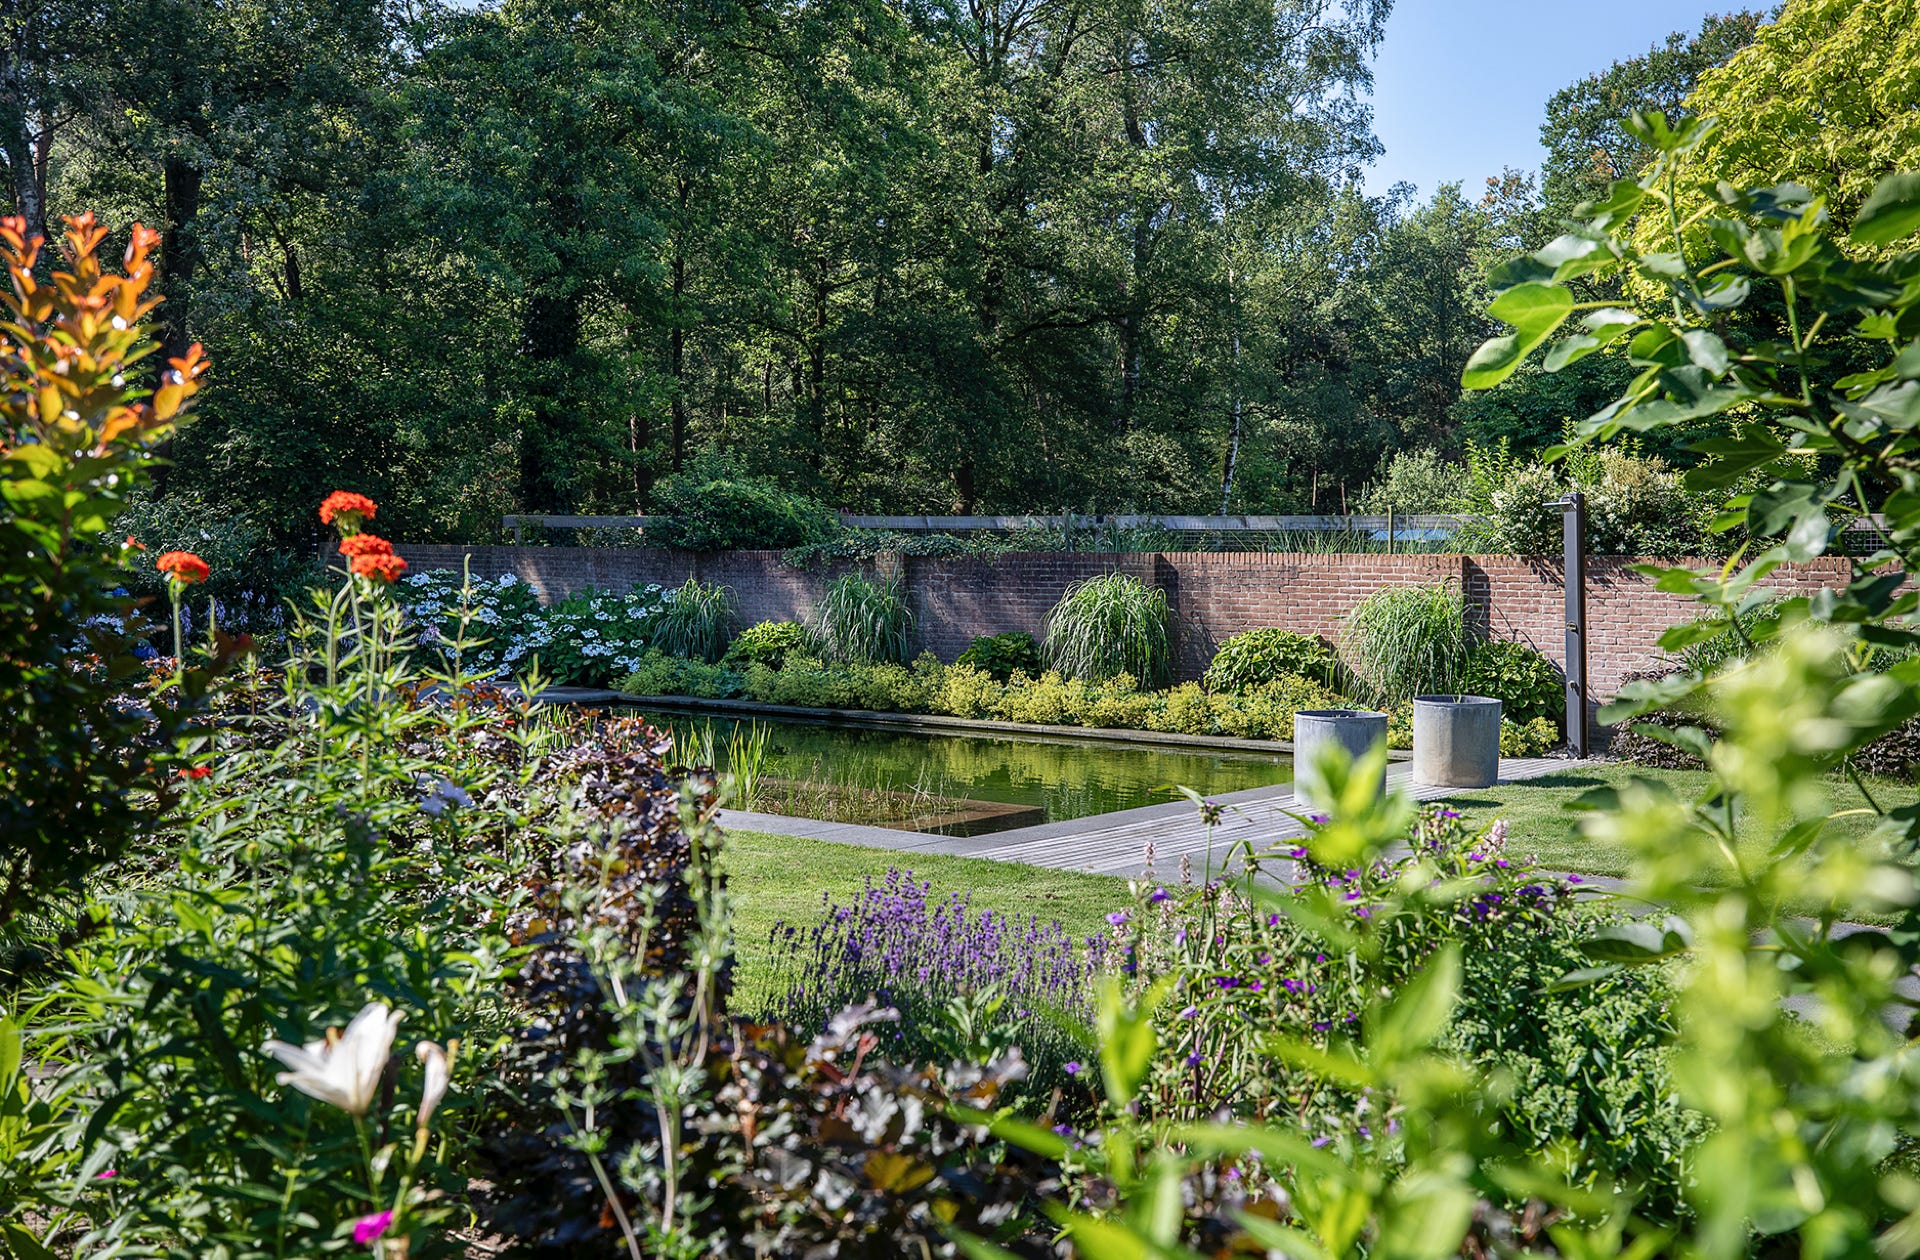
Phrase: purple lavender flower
(1158, 895)
(1073, 1068)
(1118, 918)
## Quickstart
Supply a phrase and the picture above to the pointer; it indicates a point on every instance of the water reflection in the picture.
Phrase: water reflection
(1064, 778)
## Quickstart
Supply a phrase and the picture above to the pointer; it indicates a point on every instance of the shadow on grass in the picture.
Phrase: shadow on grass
(1569, 779)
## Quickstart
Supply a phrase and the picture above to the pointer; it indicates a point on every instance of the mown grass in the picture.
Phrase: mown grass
(785, 878)
(1540, 823)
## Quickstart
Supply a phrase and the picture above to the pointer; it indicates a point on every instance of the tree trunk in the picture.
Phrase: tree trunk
(817, 372)
(1233, 389)
(179, 254)
(550, 336)
(1132, 300)
(677, 363)
(23, 146)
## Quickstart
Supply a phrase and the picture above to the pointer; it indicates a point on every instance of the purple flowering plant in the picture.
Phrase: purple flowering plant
(968, 984)
(1298, 941)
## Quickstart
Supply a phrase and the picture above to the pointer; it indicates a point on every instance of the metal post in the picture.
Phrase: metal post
(1573, 519)
(1389, 529)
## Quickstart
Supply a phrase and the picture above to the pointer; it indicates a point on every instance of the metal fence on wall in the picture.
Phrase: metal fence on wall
(1313, 535)
(1392, 532)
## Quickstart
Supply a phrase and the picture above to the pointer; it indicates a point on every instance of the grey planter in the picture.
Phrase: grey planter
(1356, 730)
(1456, 741)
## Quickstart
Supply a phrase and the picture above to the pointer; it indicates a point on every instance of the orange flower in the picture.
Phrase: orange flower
(349, 508)
(133, 543)
(356, 545)
(385, 567)
(194, 772)
(184, 567)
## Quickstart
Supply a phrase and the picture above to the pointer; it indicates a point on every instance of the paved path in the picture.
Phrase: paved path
(1116, 844)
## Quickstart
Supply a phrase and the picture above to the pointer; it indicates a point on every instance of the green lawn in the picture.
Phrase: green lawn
(776, 878)
(1539, 822)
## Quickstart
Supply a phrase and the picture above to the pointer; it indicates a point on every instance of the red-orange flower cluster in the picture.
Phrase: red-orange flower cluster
(385, 567)
(194, 772)
(353, 546)
(184, 567)
(349, 508)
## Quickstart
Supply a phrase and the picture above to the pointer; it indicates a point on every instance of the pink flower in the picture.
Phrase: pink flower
(369, 1228)
(102, 1176)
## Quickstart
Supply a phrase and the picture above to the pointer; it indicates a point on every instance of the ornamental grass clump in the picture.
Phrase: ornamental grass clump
(697, 622)
(1111, 625)
(966, 982)
(863, 621)
(1406, 641)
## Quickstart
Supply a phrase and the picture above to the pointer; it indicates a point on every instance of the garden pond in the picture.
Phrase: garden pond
(954, 784)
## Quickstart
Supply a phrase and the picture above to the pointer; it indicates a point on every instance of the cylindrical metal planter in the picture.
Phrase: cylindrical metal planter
(1356, 730)
(1456, 741)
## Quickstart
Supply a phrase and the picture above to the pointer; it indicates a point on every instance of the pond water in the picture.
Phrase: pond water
(1015, 782)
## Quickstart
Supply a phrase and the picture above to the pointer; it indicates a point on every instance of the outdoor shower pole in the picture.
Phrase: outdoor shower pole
(1573, 521)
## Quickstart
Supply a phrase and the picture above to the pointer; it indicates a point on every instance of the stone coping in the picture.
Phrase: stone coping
(933, 723)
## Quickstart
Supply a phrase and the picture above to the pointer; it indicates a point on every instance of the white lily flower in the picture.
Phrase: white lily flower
(345, 1069)
(439, 1073)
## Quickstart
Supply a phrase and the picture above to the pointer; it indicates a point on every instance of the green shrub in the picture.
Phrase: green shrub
(1002, 655)
(590, 638)
(891, 688)
(1043, 701)
(1255, 658)
(662, 675)
(966, 692)
(1526, 683)
(769, 643)
(252, 582)
(1413, 481)
(1406, 641)
(1527, 739)
(1756, 628)
(83, 771)
(861, 619)
(1108, 625)
(696, 621)
(726, 513)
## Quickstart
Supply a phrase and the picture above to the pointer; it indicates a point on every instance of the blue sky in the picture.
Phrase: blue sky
(1461, 85)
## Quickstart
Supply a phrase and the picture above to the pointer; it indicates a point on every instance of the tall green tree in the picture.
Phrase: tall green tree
(1585, 134)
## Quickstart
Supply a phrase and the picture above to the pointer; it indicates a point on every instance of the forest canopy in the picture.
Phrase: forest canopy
(913, 256)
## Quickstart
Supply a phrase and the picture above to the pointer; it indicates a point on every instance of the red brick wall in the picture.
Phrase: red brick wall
(1213, 594)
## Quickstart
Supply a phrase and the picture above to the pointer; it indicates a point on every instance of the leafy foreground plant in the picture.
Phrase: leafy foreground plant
(83, 773)
(1109, 626)
(1803, 1130)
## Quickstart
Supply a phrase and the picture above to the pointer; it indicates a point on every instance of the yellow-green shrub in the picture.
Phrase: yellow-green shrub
(1042, 701)
(966, 692)
(1528, 739)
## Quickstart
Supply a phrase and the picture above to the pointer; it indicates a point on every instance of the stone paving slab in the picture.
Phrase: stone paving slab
(1116, 843)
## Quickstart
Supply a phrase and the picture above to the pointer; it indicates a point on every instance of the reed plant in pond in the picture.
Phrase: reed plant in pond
(1112, 625)
(863, 620)
(1406, 641)
(697, 622)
